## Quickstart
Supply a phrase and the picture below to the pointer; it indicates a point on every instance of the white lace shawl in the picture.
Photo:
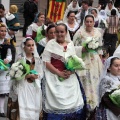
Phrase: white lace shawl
(108, 11)
(34, 27)
(107, 84)
(53, 49)
(74, 28)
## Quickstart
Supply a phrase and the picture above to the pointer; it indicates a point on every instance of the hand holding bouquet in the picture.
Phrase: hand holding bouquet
(115, 97)
(19, 70)
(73, 63)
(3, 66)
(91, 45)
(32, 76)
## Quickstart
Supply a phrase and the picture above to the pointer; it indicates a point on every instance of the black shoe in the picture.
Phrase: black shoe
(2, 115)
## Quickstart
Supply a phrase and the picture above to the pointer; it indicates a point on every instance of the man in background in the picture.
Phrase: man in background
(30, 10)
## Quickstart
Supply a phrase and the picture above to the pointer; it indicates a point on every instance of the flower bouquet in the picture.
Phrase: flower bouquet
(19, 70)
(91, 45)
(115, 97)
(3, 67)
(73, 63)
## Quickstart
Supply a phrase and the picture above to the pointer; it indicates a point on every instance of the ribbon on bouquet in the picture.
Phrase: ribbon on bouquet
(3, 66)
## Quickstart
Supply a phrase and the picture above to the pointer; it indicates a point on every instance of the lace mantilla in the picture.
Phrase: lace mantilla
(107, 85)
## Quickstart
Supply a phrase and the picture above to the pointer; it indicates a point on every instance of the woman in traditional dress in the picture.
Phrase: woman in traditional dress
(6, 56)
(109, 7)
(110, 82)
(103, 14)
(50, 34)
(34, 30)
(90, 76)
(73, 6)
(72, 24)
(61, 99)
(99, 22)
(27, 92)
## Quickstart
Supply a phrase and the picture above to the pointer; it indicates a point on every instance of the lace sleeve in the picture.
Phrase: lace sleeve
(106, 85)
(46, 56)
(100, 51)
(77, 39)
(29, 31)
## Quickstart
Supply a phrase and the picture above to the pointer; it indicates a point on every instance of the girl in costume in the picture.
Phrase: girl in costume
(109, 7)
(61, 99)
(27, 92)
(99, 21)
(90, 76)
(110, 82)
(73, 6)
(6, 56)
(50, 34)
(72, 24)
(34, 30)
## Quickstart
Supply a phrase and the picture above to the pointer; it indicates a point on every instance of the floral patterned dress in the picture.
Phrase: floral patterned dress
(90, 76)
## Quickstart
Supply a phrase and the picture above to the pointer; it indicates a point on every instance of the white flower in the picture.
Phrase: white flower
(20, 67)
(116, 92)
(97, 44)
(94, 47)
(88, 39)
(93, 44)
(15, 65)
(12, 72)
(89, 45)
(20, 72)
(15, 68)
(17, 75)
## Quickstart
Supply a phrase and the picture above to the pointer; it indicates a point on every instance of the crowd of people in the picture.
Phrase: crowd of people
(46, 88)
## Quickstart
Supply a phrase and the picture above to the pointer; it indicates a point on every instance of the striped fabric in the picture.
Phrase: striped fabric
(56, 10)
(112, 24)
